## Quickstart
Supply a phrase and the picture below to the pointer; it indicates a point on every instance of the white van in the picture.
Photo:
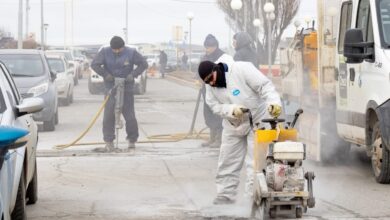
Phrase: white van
(363, 80)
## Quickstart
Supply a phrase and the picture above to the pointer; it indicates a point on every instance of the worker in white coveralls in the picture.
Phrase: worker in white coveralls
(231, 88)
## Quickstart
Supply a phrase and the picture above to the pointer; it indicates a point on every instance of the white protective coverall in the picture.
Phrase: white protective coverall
(247, 86)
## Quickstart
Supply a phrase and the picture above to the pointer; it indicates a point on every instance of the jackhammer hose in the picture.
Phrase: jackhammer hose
(162, 138)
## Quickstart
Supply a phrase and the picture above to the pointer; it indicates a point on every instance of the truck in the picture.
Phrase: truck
(343, 83)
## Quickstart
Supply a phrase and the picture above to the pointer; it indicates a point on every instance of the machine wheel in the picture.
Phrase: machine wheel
(258, 211)
(380, 159)
(299, 212)
(32, 190)
(272, 212)
(19, 212)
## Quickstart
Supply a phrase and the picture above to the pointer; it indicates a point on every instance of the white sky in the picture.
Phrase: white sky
(151, 21)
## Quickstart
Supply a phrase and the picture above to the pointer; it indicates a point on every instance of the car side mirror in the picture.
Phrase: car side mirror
(30, 105)
(53, 75)
(355, 48)
(11, 138)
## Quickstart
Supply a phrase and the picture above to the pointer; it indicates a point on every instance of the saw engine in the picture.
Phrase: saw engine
(284, 171)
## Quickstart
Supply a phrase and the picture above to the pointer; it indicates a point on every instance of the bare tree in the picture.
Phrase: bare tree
(242, 20)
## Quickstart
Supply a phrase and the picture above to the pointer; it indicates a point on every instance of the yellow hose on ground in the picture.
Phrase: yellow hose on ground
(162, 138)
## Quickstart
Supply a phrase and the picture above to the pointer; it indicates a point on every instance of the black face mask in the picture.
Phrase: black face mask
(221, 78)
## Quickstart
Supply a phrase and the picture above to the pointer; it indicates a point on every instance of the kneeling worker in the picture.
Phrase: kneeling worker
(230, 88)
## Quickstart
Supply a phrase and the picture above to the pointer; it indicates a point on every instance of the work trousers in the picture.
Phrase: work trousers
(128, 114)
(235, 151)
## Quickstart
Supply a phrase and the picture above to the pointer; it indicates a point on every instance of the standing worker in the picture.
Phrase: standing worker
(184, 60)
(117, 61)
(231, 88)
(163, 62)
(245, 50)
(213, 121)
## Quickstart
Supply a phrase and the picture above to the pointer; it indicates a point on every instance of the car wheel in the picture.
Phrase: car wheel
(76, 80)
(380, 159)
(50, 125)
(56, 117)
(80, 74)
(71, 98)
(32, 190)
(66, 101)
(19, 212)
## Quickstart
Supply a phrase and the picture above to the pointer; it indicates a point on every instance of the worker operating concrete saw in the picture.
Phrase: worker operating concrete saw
(115, 63)
(231, 89)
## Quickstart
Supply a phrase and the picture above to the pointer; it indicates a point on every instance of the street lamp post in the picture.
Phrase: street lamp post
(42, 27)
(127, 22)
(257, 24)
(236, 5)
(190, 16)
(45, 26)
(20, 25)
(269, 9)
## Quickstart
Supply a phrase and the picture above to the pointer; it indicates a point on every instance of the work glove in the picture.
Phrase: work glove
(275, 110)
(238, 111)
(109, 77)
(130, 78)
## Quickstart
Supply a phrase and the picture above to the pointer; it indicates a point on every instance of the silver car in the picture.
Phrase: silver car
(32, 75)
(64, 78)
(18, 170)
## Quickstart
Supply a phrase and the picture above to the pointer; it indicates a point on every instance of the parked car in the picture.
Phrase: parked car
(71, 59)
(33, 78)
(18, 168)
(64, 78)
(96, 86)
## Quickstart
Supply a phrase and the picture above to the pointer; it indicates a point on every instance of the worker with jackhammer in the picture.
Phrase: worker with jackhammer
(112, 62)
(231, 89)
(213, 121)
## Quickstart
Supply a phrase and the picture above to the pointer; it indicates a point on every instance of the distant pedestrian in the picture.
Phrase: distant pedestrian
(213, 121)
(163, 62)
(245, 51)
(184, 61)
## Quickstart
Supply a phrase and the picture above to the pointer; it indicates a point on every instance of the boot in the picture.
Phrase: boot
(106, 149)
(131, 145)
(211, 140)
(217, 139)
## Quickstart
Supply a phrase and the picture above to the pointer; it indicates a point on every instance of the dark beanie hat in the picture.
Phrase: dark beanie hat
(205, 68)
(117, 42)
(210, 41)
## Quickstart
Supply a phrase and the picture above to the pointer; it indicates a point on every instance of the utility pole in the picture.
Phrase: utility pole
(42, 28)
(72, 36)
(20, 24)
(27, 16)
(127, 22)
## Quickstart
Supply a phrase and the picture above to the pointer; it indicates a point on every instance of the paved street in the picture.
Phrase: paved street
(170, 180)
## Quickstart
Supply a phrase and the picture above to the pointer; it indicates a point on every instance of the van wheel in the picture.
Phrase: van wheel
(50, 125)
(19, 212)
(380, 159)
(32, 190)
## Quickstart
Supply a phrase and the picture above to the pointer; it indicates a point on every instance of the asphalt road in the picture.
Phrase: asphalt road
(170, 180)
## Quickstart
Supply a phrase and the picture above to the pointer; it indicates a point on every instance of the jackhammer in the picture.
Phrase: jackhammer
(119, 97)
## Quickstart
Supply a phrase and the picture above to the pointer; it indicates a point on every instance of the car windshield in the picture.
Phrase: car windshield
(384, 9)
(29, 65)
(56, 65)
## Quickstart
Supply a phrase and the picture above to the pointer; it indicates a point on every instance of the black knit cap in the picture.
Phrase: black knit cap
(117, 42)
(205, 68)
(210, 41)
